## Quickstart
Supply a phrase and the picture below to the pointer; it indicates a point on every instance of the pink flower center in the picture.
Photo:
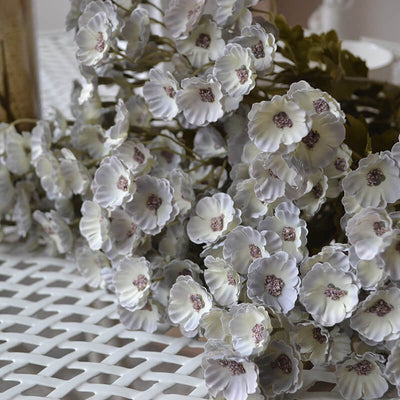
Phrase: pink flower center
(197, 302)
(206, 95)
(284, 363)
(255, 251)
(340, 164)
(243, 74)
(317, 191)
(282, 120)
(138, 156)
(140, 282)
(273, 285)
(311, 139)
(288, 234)
(153, 202)
(320, 106)
(231, 279)
(334, 292)
(258, 50)
(362, 368)
(258, 333)
(375, 177)
(235, 367)
(169, 90)
(100, 43)
(380, 308)
(122, 183)
(217, 223)
(203, 41)
(379, 228)
(131, 231)
(318, 336)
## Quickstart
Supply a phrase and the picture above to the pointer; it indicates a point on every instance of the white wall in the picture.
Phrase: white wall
(50, 14)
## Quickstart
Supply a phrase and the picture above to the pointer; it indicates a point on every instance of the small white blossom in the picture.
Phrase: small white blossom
(147, 318)
(391, 255)
(90, 138)
(7, 191)
(17, 159)
(199, 100)
(330, 295)
(90, 263)
(209, 143)
(392, 369)
(188, 302)
(273, 281)
(215, 324)
(74, 172)
(214, 217)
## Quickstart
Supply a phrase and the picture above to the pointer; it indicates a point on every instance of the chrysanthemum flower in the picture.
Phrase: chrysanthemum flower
(215, 324)
(276, 122)
(281, 369)
(314, 100)
(367, 232)
(290, 227)
(229, 375)
(318, 148)
(329, 294)
(261, 44)
(235, 70)
(360, 377)
(340, 165)
(112, 184)
(273, 281)
(159, 93)
(222, 281)
(93, 39)
(199, 100)
(188, 302)
(152, 205)
(214, 217)
(203, 44)
(132, 281)
(182, 15)
(375, 182)
(378, 317)
(250, 328)
(93, 225)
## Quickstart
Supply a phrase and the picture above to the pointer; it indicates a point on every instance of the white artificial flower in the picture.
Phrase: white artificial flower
(209, 143)
(90, 263)
(215, 324)
(90, 138)
(75, 173)
(242, 246)
(319, 147)
(182, 15)
(136, 32)
(329, 294)
(315, 100)
(292, 230)
(132, 282)
(312, 341)
(22, 213)
(184, 196)
(392, 368)
(152, 205)
(187, 303)
(40, 140)
(315, 194)
(174, 245)
(214, 217)
(146, 319)
(93, 225)
(261, 44)
(159, 92)
(52, 180)
(199, 100)
(340, 165)
(273, 281)
(135, 156)
(56, 228)
(235, 70)
(378, 316)
(375, 182)
(367, 231)
(167, 152)
(275, 122)
(7, 191)
(203, 44)
(246, 200)
(234, 11)
(250, 328)
(112, 184)
(340, 346)
(93, 39)
(17, 159)
(91, 8)
(222, 281)
(118, 132)
(229, 375)
(138, 111)
(391, 255)
(361, 377)
(281, 369)
(334, 255)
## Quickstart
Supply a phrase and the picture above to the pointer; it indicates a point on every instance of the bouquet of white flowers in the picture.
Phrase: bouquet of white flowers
(223, 189)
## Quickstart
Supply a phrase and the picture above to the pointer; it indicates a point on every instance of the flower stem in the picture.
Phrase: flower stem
(202, 67)
(154, 6)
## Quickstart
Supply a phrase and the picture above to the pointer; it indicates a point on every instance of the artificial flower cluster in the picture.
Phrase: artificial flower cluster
(189, 193)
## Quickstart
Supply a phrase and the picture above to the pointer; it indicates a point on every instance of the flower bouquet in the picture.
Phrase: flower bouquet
(228, 175)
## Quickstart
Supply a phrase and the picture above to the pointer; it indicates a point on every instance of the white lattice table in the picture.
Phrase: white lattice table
(60, 340)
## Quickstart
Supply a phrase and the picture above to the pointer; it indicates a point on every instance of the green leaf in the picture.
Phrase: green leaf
(385, 141)
(357, 137)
